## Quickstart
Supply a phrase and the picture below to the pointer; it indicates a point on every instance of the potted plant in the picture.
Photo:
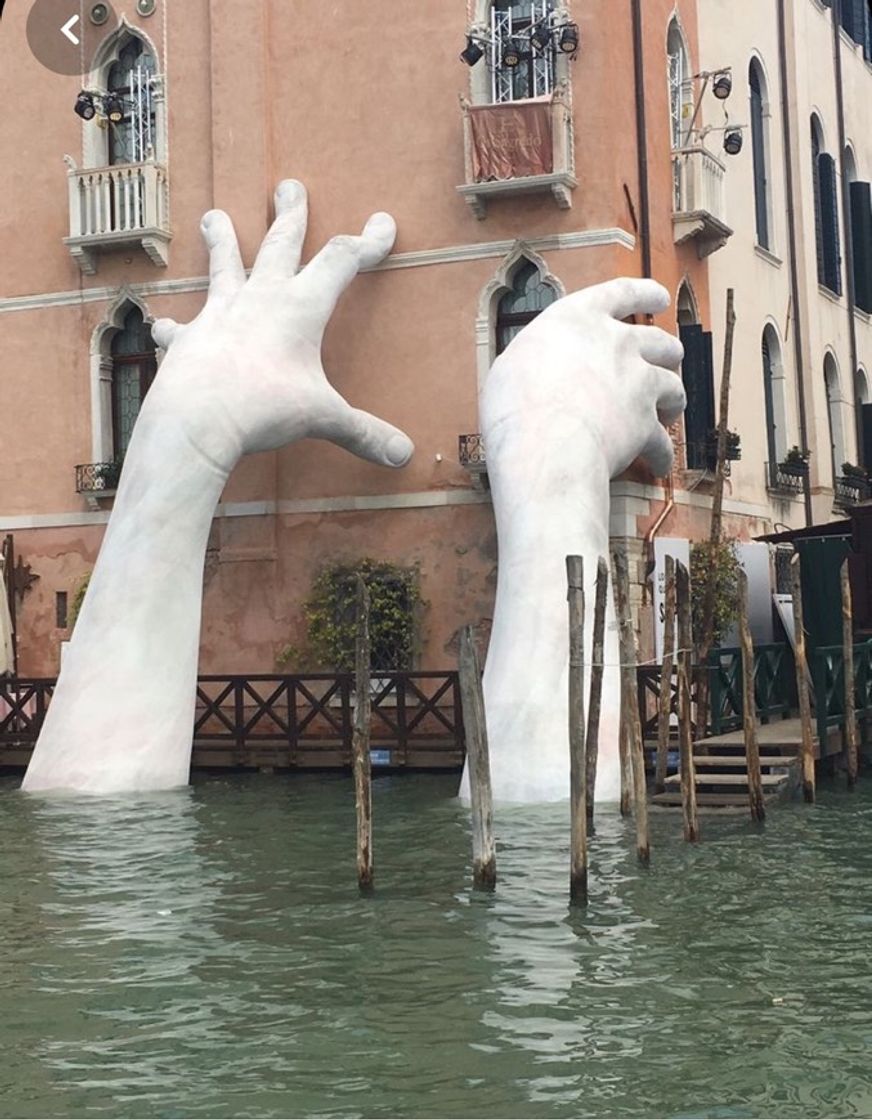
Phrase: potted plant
(795, 462)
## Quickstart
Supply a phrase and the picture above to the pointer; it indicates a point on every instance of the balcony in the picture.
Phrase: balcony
(120, 207)
(850, 490)
(98, 478)
(786, 479)
(518, 147)
(699, 212)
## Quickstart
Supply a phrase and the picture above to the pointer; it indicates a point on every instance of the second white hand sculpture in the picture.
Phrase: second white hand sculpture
(571, 402)
(244, 376)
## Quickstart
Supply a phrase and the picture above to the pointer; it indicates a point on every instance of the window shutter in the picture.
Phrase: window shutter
(861, 238)
(866, 414)
(829, 206)
(859, 10)
(867, 30)
(759, 156)
(769, 402)
(697, 373)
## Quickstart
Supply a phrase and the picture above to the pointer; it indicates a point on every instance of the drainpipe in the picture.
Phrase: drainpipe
(641, 139)
(791, 237)
(846, 221)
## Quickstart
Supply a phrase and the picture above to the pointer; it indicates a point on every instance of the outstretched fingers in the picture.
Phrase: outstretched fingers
(279, 256)
(619, 298)
(659, 347)
(363, 434)
(226, 270)
(670, 398)
(329, 273)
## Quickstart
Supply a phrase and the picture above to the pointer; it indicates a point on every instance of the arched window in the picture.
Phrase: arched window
(512, 22)
(859, 231)
(134, 364)
(774, 397)
(834, 414)
(680, 85)
(528, 295)
(826, 212)
(131, 80)
(697, 375)
(760, 149)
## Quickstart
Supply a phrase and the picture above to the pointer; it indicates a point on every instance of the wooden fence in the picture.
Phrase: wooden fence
(275, 720)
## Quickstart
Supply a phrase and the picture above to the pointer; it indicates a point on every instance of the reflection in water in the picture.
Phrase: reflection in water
(206, 953)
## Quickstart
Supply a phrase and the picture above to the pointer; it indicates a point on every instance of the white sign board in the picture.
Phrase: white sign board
(678, 548)
(754, 558)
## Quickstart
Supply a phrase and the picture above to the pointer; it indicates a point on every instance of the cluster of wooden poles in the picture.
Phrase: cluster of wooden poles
(584, 733)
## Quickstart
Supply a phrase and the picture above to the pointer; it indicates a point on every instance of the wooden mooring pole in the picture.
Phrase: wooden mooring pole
(596, 684)
(749, 708)
(484, 859)
(807, 749)
(664, 711)
(689, 809)
(631, 719)
(852, 749)
(360, 740)
(577, 762)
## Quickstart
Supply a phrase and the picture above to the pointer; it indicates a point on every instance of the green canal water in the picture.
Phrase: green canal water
(206, 953)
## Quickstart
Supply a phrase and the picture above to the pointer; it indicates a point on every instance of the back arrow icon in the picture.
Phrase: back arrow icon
(67, 30)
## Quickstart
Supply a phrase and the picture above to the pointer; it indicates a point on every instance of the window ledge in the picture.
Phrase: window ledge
(832, 296)
(768, 256)
(560, 184)
(863, 316)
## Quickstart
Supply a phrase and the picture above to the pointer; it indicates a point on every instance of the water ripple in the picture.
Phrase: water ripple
(206, 953)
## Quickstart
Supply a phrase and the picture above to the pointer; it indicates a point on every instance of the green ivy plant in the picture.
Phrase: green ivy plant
(723, 565)
(395, 604)
(78, 599)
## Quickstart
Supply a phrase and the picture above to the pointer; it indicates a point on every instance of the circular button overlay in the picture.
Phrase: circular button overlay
(60, 39)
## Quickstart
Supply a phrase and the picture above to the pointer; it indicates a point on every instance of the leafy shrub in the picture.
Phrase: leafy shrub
(723, 565)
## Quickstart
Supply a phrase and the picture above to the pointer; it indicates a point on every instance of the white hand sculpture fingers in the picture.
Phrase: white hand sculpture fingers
(619, 298)
(279, 256)
(658, 452)
(670, 398)
(659, 347)
(329, 273)
(226, 271)
(165, 332)
(364, 434)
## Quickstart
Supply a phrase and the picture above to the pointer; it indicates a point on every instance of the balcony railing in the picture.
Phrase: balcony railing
(518, 147)
(850, 490)
(786, 478)
(97, 478)
(118, 207)
(699, 210)
(471, 452)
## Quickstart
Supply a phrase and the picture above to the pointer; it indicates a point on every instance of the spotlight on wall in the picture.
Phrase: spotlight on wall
(722, 86)
(540, 36)
(569, 38)
(85, 106)
(733, 141)
(473, 52)
(512, 54)
(114, 108)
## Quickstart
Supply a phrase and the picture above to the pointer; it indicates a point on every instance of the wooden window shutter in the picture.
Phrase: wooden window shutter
(829, 206)
(697, 373)
(861, 239)
(816, 186)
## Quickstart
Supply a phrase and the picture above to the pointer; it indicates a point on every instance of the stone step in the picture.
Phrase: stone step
(729, 779)
(734, 760)
(670, 800)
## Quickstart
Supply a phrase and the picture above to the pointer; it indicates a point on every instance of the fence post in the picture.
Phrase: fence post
(851, 745)
(577, 764)
(685, 730)
(484, 861)
(665, 698)
(596, 684)
(360, 740)
(749, 708)
(630, 705)
(807, 756)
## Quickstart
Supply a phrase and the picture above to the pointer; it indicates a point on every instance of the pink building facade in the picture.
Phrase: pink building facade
(371, 109)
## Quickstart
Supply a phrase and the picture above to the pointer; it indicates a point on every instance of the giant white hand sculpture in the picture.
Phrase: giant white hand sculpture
(573, 400)
(244, 376)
